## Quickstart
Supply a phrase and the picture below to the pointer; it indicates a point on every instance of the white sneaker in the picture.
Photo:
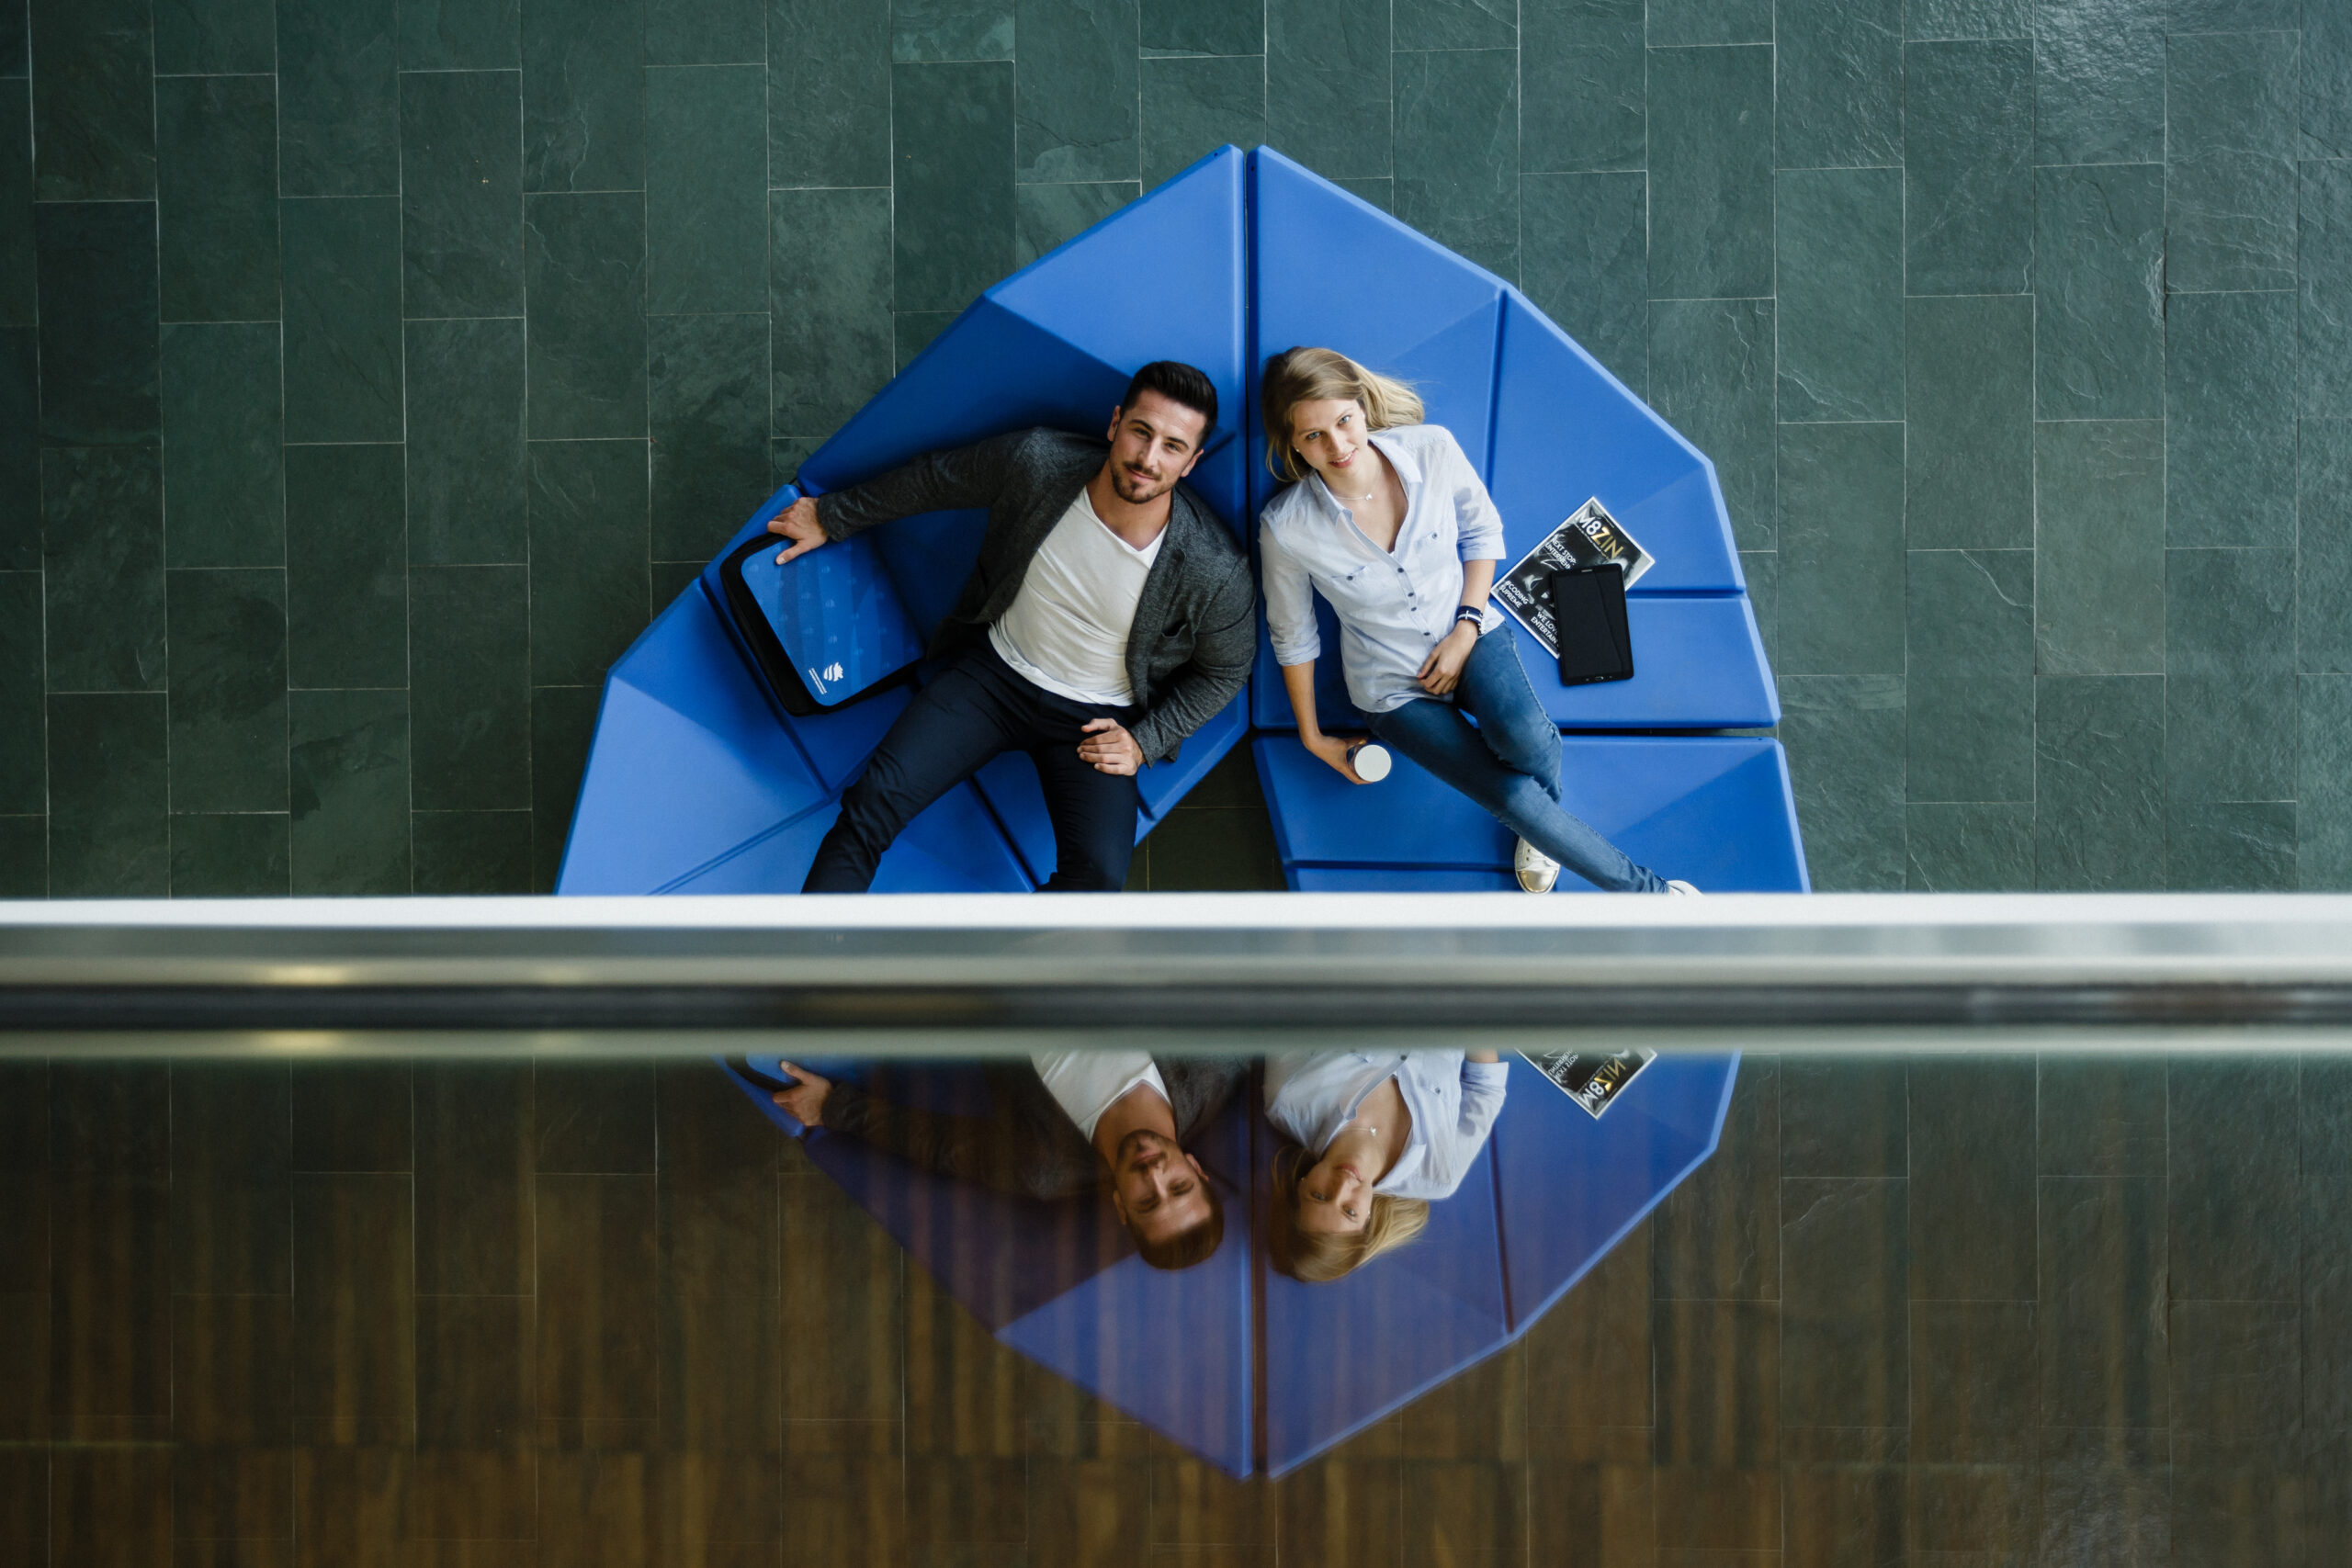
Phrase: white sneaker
(1537, 871)
(1685, 889)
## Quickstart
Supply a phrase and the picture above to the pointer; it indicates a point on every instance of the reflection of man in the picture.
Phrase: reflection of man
(1055, 1129)
(1109, 616)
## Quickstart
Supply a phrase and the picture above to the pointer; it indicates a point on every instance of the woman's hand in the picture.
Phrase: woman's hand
(1333, 748)
(1442, 670)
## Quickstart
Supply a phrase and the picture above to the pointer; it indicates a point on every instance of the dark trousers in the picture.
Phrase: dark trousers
(975, 710)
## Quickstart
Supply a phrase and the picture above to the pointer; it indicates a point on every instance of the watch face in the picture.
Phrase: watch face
(837, 615)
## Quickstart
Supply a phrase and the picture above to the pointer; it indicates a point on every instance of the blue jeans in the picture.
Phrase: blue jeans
(1509, 763)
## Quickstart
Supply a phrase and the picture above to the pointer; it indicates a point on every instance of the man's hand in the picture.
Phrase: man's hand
(799, 523)
(805, 1100)
(1110, 747)
(1334, 749)
(1442, 670)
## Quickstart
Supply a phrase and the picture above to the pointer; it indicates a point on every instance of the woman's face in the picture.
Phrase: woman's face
(1330, 435)
(1334, 1198)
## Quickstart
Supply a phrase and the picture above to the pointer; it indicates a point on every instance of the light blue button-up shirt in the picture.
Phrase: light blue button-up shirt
(1310, 1095)
(1394, 606)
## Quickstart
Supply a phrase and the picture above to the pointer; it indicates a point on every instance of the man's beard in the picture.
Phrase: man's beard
(1136, 488)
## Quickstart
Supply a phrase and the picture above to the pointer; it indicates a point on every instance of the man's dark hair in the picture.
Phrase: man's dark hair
(1196, 1246)
(1179, 383)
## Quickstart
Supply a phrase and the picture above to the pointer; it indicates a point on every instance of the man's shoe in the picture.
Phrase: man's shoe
(1537, 871)
(1685, 889)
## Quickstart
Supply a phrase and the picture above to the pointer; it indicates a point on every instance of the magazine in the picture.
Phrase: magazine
(1589, 537)
(1591, 1080)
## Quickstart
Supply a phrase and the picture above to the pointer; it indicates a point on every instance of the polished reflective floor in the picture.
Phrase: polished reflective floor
(1942, 1311)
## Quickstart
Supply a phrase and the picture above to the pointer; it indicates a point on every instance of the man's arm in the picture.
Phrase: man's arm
(1219, 668)
(999, 1151)
(936, 482)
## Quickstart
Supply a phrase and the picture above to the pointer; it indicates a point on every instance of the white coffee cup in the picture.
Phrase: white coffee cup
(1370, 760)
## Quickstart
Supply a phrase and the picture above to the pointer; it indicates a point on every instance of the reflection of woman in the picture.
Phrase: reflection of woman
(1389, 522)
(1381, 1134)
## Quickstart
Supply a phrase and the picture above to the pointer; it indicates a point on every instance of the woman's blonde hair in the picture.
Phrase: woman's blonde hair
(1315, 1258)
(1316, 374)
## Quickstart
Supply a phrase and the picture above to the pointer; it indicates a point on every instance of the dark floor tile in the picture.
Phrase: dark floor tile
(594, 1117)
(563, 722)
(2102, 1115)
(351, 1504)
(2230, 194)
(1047, 216)
(828, 95)
(2236, 1369)
(1588, 1358)
(2324, 534)
(469, 679)
(109, 794)
(583, 95)
(351, 1116)
(472, 852)
(717, 1160)
(2099, 328)
(2230, 460)
(2104, 1350)
(840, 1276)
(2258, 1501)
(1845, 1359)
(342, 261)
(1706, 1518)
(467, 497)
(1976, 1389)
(1583, 101)
(1456, 1513)
(201, 36)
(584, 267)
(705, 192)
(1843, 1116)
(24, 857)
(1968, 137)
(1202, 26)
(24, 1388)
(2099, 771)
(347, 765)
(1586, 263)
(347, 582)
(230, 855)
(1845, 735)
(460, 35)
(720, 1370)
(217, 197)
(461, 192)
(1840, 84)
(230, 1215)
(95, 262)
(1718, 1233)
(708, 396)
(692, 32)
(1582, 1514)
(1711, 179)
(829, 280)
(17, 268)
(230, 1377)
(102, 1115)
(339, 130)
(589, 533)
(1208, 850)
(924, 31)
(1066, 135)
(1327, 74)
(2102, 1510)
(1478, 1415)
(2324, 1143)
(474, 1224)
(1195, 1504)
(24, 1221)
(109, 1326)
(1841, 545)
(111, 1504)
(93, 111)
(1971, 1122)
(1711, 376)
(2099, 79)
(952, 197)
(596, 1319)
(2227, 622)
(352, 1346)
(2234, 1198)
(225, 471)
(228, 690)
(1718, 1381)
(477, 1379)
(1457, 152)
(2324, 260)
(102, 528)
(19, 448)
(232, 1504)
(476, 1508)
(1845, 1514)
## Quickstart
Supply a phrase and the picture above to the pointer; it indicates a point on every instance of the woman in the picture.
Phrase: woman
(1388, 522)
(1384, 1135)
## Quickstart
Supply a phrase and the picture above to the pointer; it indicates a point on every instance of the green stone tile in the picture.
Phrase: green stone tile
(1077, 117)
(1328, 85)
(2325, 263)
(1583, 85)
(473, 852)
(1192, 106)
(1380, 194)
(705, 32)
(785, 454)
(2230, 222)
(1838, 70)
(2099, 330)
(1457, 153)
(584, 95)
(341, 263)
(348, 768)
(1970, 612)
(1762, 570)
(2099, 82)
(1838, 243)
(14, 61)
(669, 579)
(17, 268)
(20, 450)
(584, 263)
(1047, 216)
(1968, 394)
(564, 718)
(708, 389)
(2327, 81)
(2100, 609)
(707, 188)
(953, 203)
(109, 795)
(1711, 377)
(207, 37)
(2229, 632)
(1456, 24)
(461, 184)
(2323, 787)
(24, 857)
(2231, 847)
(469, 720)
(2229, 420)
(466, 492)
(1193, 26)
(2234, 16)
(912, 331)
(828, 299)
(588, 555)
(102, 560)
(1584, 263)
(24, 761)
(829, 93)
(928, 32)
(1203, 850)
(1977, 848)
(96, 263)
(244, 855)
(1971, 738)
(2244, 89)
(2323, 502)
(1844, 735)
(227, 689)
(1841, 549)
(347, 567)
(216, 177)
(1968, 182)
(338, 97)
(1675, 23)
(460, 35)
(93, 108)
(2099, 820)
(1927, 19)
(1710, 172)
(1231, 785)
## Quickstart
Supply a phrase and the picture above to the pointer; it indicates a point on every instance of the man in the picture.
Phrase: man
(1057, 1127)
(1110, 615)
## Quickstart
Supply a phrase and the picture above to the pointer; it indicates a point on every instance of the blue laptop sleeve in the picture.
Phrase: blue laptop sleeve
(826, 628)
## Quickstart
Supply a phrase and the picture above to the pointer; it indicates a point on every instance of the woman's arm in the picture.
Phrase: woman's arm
(1299, 680)
(1442, 670)
(1290, 623)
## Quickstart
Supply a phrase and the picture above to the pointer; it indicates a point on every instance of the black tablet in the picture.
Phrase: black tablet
(1588, 618)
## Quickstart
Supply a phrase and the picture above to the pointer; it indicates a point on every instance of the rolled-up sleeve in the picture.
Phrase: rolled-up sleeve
(1290, 602)
(1480, 526)
(1483, 1087)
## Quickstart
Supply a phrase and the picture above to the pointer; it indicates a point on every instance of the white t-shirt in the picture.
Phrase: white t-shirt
(1087, 1083)
(1067, 629)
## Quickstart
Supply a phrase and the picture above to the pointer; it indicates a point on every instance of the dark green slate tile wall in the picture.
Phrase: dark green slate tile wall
(372, 370)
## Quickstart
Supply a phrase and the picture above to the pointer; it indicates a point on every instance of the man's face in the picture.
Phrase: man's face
(1157, 1188)
(1153, 445)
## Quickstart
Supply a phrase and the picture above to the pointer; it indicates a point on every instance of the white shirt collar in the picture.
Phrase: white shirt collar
(1409, 469)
